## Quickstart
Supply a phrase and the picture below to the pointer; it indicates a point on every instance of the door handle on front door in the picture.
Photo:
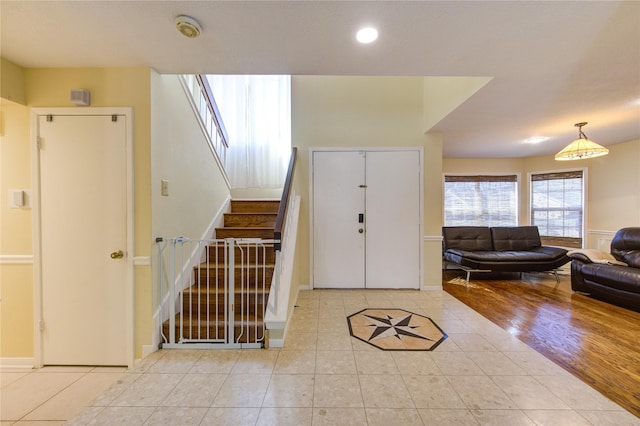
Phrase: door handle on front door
(117, 254)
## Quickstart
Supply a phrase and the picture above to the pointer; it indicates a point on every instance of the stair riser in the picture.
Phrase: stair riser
(249, 336)
(255, 303)
(250, 219)
(255, 206)
(248, 253)
(212, 278)
(266, 234)
(220, 316)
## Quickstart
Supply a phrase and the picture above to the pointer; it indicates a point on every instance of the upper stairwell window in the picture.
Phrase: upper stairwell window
(484, 200)
(256, 110)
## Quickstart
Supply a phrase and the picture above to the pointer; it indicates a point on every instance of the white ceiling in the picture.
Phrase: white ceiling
(553, 63)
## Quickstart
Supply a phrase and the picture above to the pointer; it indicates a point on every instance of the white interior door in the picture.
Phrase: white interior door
(83, 214)
(338, 198)
(384, 251)
(393, 246)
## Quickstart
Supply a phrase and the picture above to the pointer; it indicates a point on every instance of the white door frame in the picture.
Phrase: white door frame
(364, 149)
(36, 216)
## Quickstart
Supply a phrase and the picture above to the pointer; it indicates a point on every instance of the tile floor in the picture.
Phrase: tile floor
(479, 375)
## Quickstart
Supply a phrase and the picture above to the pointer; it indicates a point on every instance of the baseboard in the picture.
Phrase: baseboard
(148, 350)
(15, 363)
(276, 343)
(432, 288)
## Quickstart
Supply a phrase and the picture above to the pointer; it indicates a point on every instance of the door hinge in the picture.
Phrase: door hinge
(41, 325)
(49, 118)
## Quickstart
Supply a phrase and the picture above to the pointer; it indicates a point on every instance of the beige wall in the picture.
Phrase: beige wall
(362, 112)
(16, 253)
(181, 155)
(613, 184)
(109, 87)
(12, 82)
(326, 112)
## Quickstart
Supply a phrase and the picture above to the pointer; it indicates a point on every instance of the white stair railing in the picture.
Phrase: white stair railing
(202, 101)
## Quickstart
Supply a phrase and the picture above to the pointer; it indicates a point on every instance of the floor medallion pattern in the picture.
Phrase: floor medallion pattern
(395, 330)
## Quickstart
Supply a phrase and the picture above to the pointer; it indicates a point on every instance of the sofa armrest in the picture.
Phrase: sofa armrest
(594, 256)
(580, 257)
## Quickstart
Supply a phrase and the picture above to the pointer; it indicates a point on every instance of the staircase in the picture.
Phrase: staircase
(205, 304)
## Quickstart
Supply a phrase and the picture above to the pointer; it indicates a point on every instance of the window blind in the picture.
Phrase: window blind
(557, 207)
(481, 200)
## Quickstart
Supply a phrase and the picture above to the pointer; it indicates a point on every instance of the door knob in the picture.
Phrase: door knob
(117, 254)
(361, 230)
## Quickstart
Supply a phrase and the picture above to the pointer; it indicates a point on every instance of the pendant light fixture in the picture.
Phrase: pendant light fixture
(581, 148)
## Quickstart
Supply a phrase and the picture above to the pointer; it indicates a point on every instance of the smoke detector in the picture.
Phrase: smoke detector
(188, 26)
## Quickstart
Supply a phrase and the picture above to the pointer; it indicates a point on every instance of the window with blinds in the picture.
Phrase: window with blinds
(480, 200)
(557, 206)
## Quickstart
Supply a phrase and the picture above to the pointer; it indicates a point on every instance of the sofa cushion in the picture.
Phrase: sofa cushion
(468, 238)
(539, 259)
(515, 237)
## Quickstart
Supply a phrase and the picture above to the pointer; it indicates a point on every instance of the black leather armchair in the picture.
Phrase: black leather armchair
(613, 283)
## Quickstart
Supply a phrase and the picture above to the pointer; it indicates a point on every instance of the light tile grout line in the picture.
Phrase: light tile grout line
(458, 314)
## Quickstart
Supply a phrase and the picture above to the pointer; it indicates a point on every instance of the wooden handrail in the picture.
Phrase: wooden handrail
(284, 201)
(213, 108)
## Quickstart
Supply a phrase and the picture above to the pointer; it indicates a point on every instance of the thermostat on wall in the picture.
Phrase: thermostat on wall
(80, 97)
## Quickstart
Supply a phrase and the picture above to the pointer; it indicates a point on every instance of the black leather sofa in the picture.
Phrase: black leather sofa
(499, 249)
(611, 280)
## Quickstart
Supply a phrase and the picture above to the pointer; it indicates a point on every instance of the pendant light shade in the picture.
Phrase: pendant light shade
(581, 148)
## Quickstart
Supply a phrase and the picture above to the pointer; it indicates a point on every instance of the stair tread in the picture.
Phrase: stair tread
(246, 227)
(220, 265)
(252, 213)
(194, 319)
(213, 290)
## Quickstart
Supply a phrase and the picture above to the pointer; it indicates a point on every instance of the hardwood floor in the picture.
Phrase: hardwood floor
(595, 341)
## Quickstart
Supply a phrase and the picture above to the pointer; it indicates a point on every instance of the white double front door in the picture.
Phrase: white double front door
(367, 218)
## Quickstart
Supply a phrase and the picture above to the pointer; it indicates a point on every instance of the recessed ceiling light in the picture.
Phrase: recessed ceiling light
(188, 26)
(536, 139)
(367, 35)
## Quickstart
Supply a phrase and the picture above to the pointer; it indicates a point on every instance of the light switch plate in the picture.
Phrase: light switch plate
(18, 198)
(164, 187)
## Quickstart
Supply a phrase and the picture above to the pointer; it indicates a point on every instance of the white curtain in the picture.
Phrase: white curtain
(256, 111)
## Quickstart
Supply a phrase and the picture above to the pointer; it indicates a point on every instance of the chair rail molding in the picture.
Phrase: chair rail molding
(141, 260)
(16, 259)
(599, 239)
